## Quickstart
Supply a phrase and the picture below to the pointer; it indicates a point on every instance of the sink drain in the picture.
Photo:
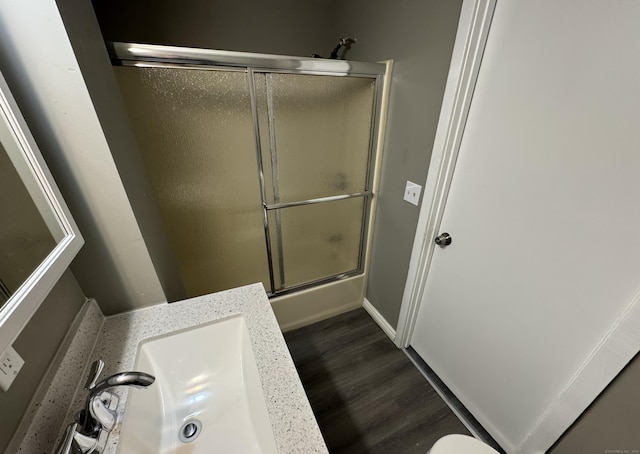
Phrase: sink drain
(190, 431)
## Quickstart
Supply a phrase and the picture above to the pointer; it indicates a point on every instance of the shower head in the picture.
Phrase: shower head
(344, 42)
(347, 41)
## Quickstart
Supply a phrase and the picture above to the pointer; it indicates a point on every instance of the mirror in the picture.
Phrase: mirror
(25, 238)
(38, 237)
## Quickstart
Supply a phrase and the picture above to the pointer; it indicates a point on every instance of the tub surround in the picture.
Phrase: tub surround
(294, 425)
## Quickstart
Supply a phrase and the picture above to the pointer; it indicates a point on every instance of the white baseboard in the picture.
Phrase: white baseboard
(379, 319)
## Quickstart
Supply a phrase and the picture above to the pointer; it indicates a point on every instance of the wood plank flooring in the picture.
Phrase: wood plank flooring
(366, 394)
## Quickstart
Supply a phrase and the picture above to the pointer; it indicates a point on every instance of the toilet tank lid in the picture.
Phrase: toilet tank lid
(456, 444)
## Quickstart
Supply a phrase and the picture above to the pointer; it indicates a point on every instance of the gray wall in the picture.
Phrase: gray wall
(286, 27)
(42, 336)
(37, 344)
(85, 37)
(612, 422)
(39, 64)
(418, 36)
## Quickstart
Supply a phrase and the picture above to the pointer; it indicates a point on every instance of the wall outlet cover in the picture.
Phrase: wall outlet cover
(10, 365)
(412, 193)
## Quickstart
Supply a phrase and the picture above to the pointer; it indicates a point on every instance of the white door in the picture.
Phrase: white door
(543, 211)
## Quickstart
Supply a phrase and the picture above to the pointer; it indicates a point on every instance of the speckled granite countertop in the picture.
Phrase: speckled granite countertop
(294, 425)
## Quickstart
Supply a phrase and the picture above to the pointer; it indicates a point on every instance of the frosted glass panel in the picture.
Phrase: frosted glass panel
(195, 132)
(316, 130)
(320, 240)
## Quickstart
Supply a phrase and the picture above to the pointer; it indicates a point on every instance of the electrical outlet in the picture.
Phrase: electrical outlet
(10, 365)
(412, 193)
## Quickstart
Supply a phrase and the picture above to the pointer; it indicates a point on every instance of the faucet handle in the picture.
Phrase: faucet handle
(66, 446)
(96, 370)
(103, 408)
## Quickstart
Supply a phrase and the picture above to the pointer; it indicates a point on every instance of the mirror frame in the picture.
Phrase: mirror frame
(26, 157)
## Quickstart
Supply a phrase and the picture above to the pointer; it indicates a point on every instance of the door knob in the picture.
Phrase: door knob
(444, 239)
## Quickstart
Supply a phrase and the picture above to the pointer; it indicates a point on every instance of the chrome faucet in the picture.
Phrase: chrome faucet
(97, 413)
(90, 431)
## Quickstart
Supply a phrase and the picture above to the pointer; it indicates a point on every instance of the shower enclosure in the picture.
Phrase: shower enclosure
(263, 165)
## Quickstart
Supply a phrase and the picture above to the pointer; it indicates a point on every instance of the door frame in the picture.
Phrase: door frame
(617, 347)
(473, 29)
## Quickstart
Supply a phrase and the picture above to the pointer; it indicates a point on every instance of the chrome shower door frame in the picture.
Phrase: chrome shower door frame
(148, 55)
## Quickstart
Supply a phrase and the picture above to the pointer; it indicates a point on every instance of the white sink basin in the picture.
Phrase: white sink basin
(205, 376)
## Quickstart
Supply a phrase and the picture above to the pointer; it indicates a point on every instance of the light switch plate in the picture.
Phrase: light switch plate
(412, 193)
(10, 365)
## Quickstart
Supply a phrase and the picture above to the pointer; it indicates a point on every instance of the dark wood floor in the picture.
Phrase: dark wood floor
(366, 394)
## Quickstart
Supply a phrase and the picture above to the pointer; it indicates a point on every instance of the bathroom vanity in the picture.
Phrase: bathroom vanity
(292, 421)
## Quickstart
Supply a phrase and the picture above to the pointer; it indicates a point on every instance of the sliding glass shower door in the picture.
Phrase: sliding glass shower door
(194, 130)
(315, 146)
(262, 176)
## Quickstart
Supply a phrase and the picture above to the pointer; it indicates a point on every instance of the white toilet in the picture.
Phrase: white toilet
(460, 444)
